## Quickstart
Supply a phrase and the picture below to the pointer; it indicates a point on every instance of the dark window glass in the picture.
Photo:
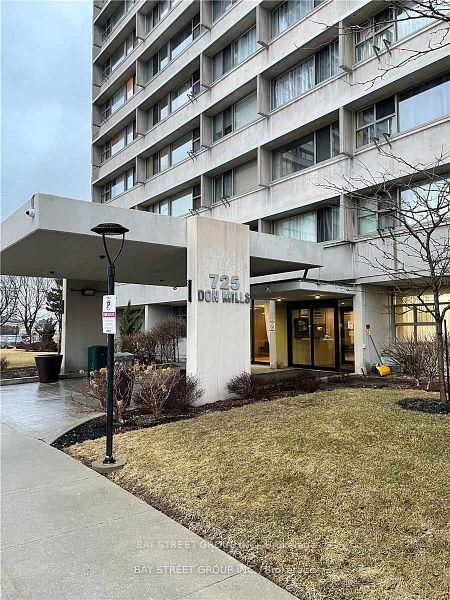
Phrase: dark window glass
(227, 60)
(227, 121)
(385, 108)
(323, 144)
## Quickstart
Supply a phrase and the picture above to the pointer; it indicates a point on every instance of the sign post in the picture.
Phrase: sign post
(109, 314)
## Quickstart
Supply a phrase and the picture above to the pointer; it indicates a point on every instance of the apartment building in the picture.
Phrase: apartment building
(245, 111)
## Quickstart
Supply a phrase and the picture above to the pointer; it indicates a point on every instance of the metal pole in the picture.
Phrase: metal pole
(109, 458)
(446, 360)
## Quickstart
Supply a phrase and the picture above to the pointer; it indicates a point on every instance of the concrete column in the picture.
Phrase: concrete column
(206, 130)
(262, 25)
(272, 334)
(206, 184)
(347, 218)
(141, 169)
(206, 14)
(370, 307)
(141, 73)
(281, 333)
(141, 121)
(97, 78)
(206, 70)
(218, 317)
(263, 95)
(96, 192)
(97, 37)
(96, 152)
(346, 48)
(82, 323)
(264, 167)
(96, 117)
(346, 132)
(140, 26)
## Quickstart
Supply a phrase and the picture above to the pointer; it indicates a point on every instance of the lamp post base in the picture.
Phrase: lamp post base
(105, 468)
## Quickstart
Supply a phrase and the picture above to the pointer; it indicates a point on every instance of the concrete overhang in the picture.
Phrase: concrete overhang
(55, 240)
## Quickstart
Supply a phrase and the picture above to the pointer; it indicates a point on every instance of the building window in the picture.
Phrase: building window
(426, 201)
(377, 213)
(172, 101)
(234, 53)
(412, 320)
(117, 100)
(298, 80)
(117, 186)
(158, 12)
(300, 154)
(118, 142)
(119, 55)
(410, 109)
(289, 12)
(424, 103)
(320, 225)
(219, 7)
(176, 152)
(174, 47)
(123, 7)
(386, 27)
(223, 186)
(180, 204)
(234, 117)
(375, 121)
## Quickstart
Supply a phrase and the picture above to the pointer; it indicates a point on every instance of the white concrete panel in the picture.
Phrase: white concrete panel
(218, 337)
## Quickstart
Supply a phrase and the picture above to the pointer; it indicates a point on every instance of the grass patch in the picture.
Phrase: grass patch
(338, 495)
(19, 358)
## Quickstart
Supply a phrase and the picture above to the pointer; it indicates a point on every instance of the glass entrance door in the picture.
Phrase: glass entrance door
(314, 336)
(301, 337)
(260, 339)
(347, 336)
(324, 337)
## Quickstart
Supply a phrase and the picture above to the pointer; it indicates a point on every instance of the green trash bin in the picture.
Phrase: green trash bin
(96, 358)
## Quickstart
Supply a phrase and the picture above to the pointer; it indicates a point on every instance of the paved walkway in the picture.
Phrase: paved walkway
(68, 532)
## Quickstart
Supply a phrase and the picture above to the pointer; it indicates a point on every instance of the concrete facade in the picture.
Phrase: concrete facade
(258, 198)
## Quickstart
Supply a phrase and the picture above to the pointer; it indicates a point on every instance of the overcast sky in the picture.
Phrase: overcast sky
(46, 91)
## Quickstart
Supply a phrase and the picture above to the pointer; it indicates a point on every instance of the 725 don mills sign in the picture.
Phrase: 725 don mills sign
(223, 288)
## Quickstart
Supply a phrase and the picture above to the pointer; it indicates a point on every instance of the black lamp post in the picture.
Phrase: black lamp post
(109, 462)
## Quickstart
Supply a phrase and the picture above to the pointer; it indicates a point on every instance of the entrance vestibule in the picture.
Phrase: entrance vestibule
(321, 334)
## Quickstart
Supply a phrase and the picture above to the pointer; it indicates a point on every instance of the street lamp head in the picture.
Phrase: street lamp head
(110, 229)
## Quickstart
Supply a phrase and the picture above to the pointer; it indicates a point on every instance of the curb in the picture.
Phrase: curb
(35, 379)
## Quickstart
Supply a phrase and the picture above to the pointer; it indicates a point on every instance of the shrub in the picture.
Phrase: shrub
(46, 329)
(29, 346)
(248, 386)
(254, 387)
(156, 386)
(4, 363)
(141, 344)
(164, 389)
(299, 381)
(96, 387)
(417, 358)
(130, 321)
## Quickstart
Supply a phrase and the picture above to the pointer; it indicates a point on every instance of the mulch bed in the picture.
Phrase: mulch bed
(426, 405)
(19, 372)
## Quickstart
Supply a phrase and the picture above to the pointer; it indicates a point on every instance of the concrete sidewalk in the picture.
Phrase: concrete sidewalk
(68, 532)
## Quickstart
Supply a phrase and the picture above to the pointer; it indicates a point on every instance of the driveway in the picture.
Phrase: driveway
(68, 532)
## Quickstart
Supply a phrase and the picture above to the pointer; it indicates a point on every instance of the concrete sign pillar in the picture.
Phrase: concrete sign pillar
(82, 323)
(218, 313)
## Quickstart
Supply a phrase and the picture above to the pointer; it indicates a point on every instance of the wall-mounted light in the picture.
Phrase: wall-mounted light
(317, 297)
(88, 292)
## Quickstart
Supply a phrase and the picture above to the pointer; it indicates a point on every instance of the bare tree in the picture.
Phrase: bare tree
(412, 244)
(8, 298)
(31, 300)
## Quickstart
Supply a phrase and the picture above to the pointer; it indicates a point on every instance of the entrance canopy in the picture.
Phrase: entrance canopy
(50, 236)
